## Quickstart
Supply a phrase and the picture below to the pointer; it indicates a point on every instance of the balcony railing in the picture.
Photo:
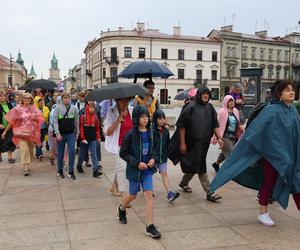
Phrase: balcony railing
(112, 60)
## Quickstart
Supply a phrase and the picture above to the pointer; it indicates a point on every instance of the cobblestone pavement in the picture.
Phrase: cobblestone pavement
(41, 212)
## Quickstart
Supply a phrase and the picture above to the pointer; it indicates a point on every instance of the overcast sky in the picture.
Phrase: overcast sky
(40, 27)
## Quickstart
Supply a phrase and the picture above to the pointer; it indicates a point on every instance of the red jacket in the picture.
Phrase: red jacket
(88, 120)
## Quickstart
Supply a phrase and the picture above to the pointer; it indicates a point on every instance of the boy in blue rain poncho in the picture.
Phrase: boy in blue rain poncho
(267, 158)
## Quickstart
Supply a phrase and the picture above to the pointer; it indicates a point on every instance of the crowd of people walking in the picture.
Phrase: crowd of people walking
(265, 156)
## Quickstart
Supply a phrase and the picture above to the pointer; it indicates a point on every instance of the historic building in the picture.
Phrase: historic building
(54, 74)
(193, 60)
(14, 70)
(277, 56)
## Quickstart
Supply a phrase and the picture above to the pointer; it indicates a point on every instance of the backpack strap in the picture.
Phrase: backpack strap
(139, 100)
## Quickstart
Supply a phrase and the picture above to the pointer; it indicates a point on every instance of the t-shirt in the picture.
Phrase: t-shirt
(232, 125)
(5, 109)
(126, 125)
(145, 150)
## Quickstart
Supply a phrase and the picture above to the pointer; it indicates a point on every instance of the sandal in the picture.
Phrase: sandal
(11, 160)
(213, 197)
(186, 188)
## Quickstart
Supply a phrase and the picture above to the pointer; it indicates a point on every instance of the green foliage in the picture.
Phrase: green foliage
(297, 105)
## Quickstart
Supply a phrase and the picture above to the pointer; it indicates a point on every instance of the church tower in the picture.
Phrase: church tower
(32, 73)
(54, 70)
(20, 60)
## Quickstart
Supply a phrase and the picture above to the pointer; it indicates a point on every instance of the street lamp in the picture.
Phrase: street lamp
(10, 78)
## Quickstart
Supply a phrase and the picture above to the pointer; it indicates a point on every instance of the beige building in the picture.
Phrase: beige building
(19, 72)
(193, 60)
(277, 56)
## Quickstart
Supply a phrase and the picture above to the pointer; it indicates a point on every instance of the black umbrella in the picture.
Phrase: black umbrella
(116, 91)
(39, 84)
(182, 95)
(144, 69)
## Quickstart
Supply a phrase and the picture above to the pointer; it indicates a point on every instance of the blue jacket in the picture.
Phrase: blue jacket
(163, 141)
(275, 136)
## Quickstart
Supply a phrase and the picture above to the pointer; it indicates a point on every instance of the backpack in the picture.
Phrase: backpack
(255, 111)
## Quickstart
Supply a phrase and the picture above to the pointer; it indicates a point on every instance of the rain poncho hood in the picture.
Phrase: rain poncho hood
(46, 111)
(157, 114)
(275, 136)
(202, 90)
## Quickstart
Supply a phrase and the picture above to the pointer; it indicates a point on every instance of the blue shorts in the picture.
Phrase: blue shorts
(162, 168)
(146, 183)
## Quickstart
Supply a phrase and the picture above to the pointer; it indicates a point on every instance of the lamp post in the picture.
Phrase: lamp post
(10, 79)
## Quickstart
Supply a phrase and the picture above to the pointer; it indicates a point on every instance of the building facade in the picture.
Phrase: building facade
(8, 68)
(277, 56)
(193, 60)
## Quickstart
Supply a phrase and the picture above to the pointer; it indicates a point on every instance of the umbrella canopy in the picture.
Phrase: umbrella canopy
(116, 91)
(40, 83)
(145, 69)
(185, 94)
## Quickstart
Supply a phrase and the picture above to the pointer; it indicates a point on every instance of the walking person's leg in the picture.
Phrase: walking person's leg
(25, 156)
(265, 193)
(60, 156)
(204, 180)
(71, 143)
(297, 200)
(171, 196)
(121, 176)
(93, 150)
(184, 184)
(82, 151)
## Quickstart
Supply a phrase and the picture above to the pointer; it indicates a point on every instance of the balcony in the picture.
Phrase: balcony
(112, 60)
(89, 72)
(109, 80)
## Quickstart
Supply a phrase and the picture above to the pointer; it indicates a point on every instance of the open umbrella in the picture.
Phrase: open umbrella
(188, 93)
(40, 83)
(116, 91)
(145, 69)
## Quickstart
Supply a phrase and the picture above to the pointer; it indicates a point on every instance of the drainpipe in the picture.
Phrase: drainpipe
(101, 73)
(151, 39)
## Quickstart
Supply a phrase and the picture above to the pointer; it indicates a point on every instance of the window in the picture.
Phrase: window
(199, 74)
(270, 54)
(296, 58)
(127, 52)
(164, 53)
(214, 74)
(199, 55)
(181, 54)
(103, 73)
(113, 54)
(277, 73)
(253, 54)
(278, 55)
(142, 52)
(214, 56)
(103, 53)
(114, 74)
(262, 54)
(231, 70)
(244, 53)
(180, 73)
(270, 72)
(286, 56)
(286, 74)
(215, 94)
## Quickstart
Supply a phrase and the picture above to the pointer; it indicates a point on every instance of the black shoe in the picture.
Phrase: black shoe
(88, 165)
(100, 167)
(213, 197)
(72, 175)
(122, 215)
(216, 167)
(60, 175)
(80, 169)
(152, 231)
(96, 174)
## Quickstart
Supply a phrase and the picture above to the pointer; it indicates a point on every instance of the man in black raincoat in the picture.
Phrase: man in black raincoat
(196, 125)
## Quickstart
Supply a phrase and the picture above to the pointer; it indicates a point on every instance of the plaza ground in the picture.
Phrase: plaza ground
(42, 212)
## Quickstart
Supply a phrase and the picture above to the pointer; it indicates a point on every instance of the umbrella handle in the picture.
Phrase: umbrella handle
(135, 79)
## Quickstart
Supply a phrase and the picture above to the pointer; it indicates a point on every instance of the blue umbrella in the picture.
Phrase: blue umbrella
(145, 69)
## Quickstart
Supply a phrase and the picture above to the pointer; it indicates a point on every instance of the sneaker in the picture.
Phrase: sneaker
(266, 220)
(100, 169)
(26, 172)
(122, 215)
(216, 167)
(88, 165)
(72, 175)
(172, 196)
(41, 157)
(96, 174)
(80, 169)
(60, 175)
(152, 231)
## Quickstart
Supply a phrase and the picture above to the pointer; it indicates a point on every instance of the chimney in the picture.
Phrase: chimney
(262, 33)
(176, 31)
(228, 28)
(140, 27)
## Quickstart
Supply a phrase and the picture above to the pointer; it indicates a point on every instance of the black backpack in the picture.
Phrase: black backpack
(255, 111)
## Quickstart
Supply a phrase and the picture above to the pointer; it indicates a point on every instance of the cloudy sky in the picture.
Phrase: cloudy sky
(40, 27)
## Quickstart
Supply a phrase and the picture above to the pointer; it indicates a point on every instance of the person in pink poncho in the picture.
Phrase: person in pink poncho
(230, 129)
(25, 121)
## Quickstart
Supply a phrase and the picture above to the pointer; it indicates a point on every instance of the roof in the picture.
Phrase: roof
(5, 63)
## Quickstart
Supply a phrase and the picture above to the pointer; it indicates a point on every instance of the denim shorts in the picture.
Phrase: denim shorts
(162, 168)
(146, 183)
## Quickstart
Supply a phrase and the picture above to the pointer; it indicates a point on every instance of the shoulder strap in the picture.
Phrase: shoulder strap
(139, 100)
(66, 114)
(154, 101)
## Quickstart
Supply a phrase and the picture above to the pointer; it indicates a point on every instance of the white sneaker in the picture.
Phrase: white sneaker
(266, 220)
